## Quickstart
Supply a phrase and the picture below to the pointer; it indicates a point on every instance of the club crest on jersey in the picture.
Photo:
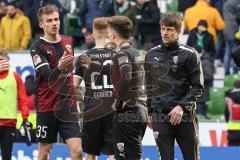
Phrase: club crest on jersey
(123, 59)
(175, 59)
(69, 48)
(49, 53)
(120, 147)
(36, 59)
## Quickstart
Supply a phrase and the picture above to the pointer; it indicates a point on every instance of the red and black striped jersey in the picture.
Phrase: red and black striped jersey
(54, 88)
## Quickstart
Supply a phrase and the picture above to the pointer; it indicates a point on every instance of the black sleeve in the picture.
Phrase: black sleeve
(147, 82)
(41, 65)
(79, 71)
(155, 15)
(208, 70)
(196, 81)
(236, 56)
(124, 62)
(226, 114)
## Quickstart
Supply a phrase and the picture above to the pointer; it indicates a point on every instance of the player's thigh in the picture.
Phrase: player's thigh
(106, 129)
(47, 128)
(128, 133)
(92, 137)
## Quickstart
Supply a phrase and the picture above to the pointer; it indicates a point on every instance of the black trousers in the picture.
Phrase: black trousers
(186, 134)
(233, 137)
(7, 135)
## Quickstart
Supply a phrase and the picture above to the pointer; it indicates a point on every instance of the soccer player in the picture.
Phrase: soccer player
(52, 57)
(173, 114)
(129, 122)
(12, 97)
(98, 99)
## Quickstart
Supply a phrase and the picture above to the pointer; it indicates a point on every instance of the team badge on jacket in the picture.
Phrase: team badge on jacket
(175, 59)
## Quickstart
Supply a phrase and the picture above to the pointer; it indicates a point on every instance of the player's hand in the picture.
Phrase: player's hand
(149, 122)
(84, 30)
(79, 95)
(176, 115)
(4, 65)
(125, 103)
(65, 61)
(85, 61)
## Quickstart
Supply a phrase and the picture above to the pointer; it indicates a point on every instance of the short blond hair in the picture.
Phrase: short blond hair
(100, 24)
(47, 10)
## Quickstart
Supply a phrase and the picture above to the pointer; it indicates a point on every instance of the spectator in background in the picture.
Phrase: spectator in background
(12, 98)
(3, 9)
(29, 85)
(89, 40)
(208, 71)
(220, 46)
(185, 4)
(232, 114)
(25, 6)
(201, 37)
(91, 9)
(231, 14)
(203, 10)
(148, 17)
(127, 8)
(15, 29)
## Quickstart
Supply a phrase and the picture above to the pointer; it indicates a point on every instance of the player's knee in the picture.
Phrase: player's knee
(44, 153)
(77, 152)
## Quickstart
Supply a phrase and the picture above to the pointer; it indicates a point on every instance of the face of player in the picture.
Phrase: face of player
(169, 35)
(50, 24)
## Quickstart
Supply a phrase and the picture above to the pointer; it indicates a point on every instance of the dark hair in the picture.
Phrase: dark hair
(172, 20)
(122, 25)
(47, 10)
(12, 4)
(237, 84)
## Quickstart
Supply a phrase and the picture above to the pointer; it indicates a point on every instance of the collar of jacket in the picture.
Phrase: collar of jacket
(173, 46)
(16, 15)
(202, 3)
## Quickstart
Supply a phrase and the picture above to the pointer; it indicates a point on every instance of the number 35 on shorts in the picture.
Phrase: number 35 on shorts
(41, 131)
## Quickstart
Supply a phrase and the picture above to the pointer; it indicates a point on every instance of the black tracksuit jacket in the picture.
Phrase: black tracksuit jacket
(180, 74)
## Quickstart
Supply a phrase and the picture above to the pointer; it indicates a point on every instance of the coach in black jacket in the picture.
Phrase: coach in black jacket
(173, 114)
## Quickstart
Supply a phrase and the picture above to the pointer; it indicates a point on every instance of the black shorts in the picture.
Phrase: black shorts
(129, 127)
(48, 127)
(97, 136)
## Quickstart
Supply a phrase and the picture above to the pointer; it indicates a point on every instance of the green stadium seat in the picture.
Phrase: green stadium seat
(172, 6)
(216, 103)
(230, 79)
(72, 25)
